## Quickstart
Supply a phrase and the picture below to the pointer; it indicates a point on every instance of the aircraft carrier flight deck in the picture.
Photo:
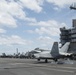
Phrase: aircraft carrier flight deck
(33, 67)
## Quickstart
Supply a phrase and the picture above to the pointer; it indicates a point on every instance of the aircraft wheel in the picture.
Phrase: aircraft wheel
(38, 59)
(46, 60)
(55, 60)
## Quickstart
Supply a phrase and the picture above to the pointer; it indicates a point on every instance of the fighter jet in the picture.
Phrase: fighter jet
(55, 53)
(73, 6)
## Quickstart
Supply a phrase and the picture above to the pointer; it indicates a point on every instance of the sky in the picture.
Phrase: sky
(28, 24)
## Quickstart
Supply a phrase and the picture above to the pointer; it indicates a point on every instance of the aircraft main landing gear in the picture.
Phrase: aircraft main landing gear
(38, 59)
(55, 60)
(46, 60)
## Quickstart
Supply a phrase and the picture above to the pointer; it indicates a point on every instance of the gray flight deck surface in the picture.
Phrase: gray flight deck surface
(32, 67)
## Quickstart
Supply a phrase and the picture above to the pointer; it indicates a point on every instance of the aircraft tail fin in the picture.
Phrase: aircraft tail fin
(65, 47)
(55, 49)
